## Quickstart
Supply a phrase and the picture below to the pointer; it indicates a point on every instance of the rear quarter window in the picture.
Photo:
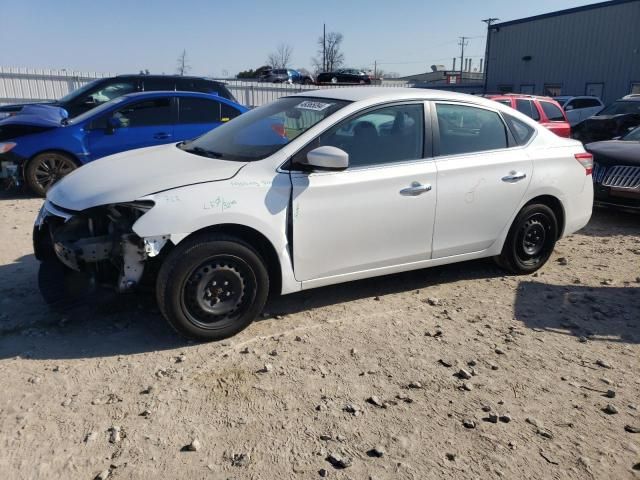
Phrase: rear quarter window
(522, 132)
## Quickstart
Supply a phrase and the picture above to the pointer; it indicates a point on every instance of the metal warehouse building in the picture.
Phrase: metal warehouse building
(589, 50)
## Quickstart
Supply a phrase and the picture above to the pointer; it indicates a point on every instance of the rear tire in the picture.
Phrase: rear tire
(47, 168)
(212, 286)
(531, 240)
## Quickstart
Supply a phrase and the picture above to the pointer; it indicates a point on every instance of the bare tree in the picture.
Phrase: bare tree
(329, 50)
(281, 57)
(183, 64)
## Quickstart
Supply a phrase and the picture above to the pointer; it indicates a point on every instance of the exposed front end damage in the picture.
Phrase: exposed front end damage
(98, 242)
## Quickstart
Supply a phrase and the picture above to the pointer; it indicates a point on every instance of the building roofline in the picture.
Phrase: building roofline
(583, 8)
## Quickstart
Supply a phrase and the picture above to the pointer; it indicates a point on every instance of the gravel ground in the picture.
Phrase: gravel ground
(450, 373)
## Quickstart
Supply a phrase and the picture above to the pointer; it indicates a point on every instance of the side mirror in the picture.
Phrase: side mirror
(114, 123)
(328, 158)
(568, 108)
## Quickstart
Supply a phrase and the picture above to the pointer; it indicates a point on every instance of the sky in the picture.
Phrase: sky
(222, 38)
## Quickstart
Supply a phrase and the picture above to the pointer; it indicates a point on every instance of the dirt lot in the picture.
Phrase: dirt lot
(368, 375)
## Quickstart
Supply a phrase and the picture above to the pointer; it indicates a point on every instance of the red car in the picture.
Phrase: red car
(544, 110)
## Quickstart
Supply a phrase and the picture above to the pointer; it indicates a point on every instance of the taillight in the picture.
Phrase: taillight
(586, 160)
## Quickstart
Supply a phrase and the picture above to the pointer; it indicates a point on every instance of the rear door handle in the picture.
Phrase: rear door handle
(415, 189)
(162, 135)
(514, 177)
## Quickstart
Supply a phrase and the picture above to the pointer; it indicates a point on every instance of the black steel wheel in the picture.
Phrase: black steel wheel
(212, 287)
(530, 241)
(47, 168)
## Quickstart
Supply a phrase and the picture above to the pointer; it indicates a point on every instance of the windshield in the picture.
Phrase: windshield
(80, 91)
(94, 112)
(633, 135)
(260, 133)
(622, 107)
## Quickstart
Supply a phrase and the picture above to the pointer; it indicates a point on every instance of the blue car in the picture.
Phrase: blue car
(41, 145)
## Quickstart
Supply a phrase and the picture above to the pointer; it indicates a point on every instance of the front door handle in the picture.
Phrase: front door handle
(514, 177)
(162, 135)
(415, 189)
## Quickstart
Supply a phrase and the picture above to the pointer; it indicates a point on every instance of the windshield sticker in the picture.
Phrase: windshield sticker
(317, 106)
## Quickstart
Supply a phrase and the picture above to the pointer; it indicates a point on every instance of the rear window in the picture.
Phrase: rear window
(553, 113)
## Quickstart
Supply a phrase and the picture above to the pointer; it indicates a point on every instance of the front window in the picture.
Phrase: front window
(384, 135)
(633, 135)
(621, 108)
(146, 113)
(262, 132)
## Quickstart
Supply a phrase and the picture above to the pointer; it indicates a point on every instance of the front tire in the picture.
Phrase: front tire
(212, 286)
(47, 168)
(531, 240)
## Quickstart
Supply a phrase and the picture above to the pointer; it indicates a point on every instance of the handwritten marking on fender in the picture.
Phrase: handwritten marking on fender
(219, 203)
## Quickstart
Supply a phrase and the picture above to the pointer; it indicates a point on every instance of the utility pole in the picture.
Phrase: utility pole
(489, 21)
(324, 47)
(375, 69)
(463, 43)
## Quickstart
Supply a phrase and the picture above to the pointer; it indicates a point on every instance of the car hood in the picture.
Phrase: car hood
(38, 115)
(16, 107)
(128, 176)
(615, 152)
(605, 127)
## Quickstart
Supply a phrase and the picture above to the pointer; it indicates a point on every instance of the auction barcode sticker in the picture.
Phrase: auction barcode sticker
(317, 106)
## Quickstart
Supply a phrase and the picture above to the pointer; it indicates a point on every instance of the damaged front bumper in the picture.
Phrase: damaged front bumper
(11, 167)
(99, 241)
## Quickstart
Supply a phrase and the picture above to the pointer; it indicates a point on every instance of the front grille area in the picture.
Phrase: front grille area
(599, 172)
(622, 176)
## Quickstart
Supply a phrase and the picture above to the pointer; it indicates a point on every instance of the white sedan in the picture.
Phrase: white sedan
(313, 189)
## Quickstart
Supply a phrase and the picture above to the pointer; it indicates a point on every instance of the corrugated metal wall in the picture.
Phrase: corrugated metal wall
(593, 46)
(29, 84)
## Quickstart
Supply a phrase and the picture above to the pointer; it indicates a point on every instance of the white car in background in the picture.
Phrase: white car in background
(578, 109)
(311, 190)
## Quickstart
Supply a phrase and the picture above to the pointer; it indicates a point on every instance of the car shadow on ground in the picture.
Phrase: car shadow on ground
(607, 222)
(109, 324)
(604, 313)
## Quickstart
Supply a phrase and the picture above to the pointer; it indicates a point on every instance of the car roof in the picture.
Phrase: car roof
(154, 76)
(178, 93)
(496, 96)
(382, 94)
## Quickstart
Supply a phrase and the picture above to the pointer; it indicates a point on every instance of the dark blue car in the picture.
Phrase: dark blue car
(42, 145)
